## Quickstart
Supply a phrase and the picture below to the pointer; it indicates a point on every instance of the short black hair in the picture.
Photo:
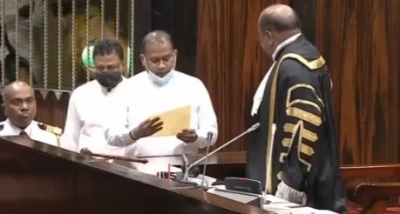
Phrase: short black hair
(11, 65)
(156, 35)
(107, 47)
(274, 22)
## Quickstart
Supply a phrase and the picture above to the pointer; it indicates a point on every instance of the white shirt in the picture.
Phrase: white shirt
(33, 131)
(148, 100)
(91, 109)
(261, 88)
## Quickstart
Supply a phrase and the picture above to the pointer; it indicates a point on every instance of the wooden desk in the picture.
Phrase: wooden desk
(219, 165)
(39, 178)
(372, 196)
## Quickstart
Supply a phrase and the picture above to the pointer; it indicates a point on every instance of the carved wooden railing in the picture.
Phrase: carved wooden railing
(373, 197)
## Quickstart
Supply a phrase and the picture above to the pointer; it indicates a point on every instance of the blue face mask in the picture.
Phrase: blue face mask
(160, 81)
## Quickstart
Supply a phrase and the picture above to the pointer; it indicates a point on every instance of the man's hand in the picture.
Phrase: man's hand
(147, 128)
(187, 136)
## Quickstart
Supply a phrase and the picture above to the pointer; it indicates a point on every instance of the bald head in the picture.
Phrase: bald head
(19, 103)
(279, 18)
(156, 37)
(14, 88)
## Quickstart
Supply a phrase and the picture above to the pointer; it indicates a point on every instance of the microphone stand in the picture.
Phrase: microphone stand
(185, 160)
(209, 139)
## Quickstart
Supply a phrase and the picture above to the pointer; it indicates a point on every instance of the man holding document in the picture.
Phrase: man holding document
(172, 106)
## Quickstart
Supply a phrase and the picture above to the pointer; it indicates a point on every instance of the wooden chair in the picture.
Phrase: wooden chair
(373, 197)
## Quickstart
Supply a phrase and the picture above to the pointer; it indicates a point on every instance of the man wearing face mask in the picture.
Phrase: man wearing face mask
(158, 89)
(90, 104)
(295, 151)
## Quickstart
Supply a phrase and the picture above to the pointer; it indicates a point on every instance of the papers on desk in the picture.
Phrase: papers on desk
(201, 180)
(154, 168)
(291, 208)
(174, 120)
(281, 206)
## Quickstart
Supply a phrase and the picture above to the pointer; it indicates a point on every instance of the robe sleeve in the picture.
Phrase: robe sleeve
(301, 124)
(207, 120)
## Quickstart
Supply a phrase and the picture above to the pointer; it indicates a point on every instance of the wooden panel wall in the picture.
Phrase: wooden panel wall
(230, 61)
(52, 111)
(359, 39)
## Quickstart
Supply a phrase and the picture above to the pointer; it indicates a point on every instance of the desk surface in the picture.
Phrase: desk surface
(216, 159)
(47, 179)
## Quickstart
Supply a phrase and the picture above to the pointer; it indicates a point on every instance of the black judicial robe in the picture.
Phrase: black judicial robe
(304, 151)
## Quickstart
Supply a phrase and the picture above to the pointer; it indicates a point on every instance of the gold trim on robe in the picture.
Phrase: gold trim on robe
(306, 86)
(312, 65)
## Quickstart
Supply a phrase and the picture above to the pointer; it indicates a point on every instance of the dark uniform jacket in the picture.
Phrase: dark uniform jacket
(304, 151)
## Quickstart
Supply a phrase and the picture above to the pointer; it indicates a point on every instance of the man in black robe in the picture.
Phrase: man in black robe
(295, 151)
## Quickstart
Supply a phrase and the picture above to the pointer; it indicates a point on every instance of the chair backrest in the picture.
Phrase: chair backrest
(371, 171)
(373, 197)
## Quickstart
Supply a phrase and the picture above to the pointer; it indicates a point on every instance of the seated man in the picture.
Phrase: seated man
(20, 108)
(157, 90)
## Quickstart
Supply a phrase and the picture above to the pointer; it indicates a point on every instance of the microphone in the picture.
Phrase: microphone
(187, 167)
(209, 137)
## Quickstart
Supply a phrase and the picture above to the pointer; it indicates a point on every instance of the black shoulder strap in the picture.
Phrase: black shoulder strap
(312, 65)
(53, 129)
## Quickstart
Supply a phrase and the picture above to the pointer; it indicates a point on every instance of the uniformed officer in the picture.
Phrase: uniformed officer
(20, 108)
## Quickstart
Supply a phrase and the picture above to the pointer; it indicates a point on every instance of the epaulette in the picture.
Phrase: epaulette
(312, 65)
(53, 129)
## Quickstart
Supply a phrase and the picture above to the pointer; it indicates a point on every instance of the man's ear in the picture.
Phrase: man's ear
(176, 53)
(143, 59)
(269, 36)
